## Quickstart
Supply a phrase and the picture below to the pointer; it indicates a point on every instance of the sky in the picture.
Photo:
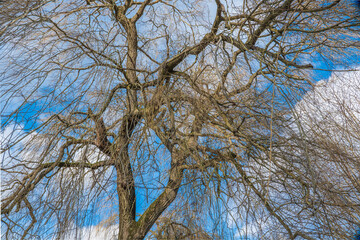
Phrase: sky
(333, 92)
(327, 99)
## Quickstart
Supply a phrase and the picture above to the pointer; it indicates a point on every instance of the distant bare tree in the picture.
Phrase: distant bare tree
(167, 119)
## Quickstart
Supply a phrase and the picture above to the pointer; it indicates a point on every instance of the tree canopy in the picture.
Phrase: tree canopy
(177, 119)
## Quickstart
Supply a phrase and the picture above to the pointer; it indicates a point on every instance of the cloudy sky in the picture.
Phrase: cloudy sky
(333, 102)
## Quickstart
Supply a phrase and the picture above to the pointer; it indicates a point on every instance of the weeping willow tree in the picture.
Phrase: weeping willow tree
(172, 119)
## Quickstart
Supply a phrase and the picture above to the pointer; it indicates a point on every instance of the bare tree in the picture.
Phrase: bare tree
(170, 119)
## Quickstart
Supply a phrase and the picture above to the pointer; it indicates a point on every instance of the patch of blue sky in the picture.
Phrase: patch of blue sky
(150, 166)
(357, 235)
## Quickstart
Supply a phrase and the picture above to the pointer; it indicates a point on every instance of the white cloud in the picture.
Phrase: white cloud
(94, 233)
(12, 157)
(331, 113)
(332, 103)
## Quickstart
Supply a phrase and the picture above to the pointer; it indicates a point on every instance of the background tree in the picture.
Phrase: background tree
(170, 119)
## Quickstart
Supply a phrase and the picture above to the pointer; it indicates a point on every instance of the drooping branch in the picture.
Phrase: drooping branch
(67, 164)
(31, 180)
